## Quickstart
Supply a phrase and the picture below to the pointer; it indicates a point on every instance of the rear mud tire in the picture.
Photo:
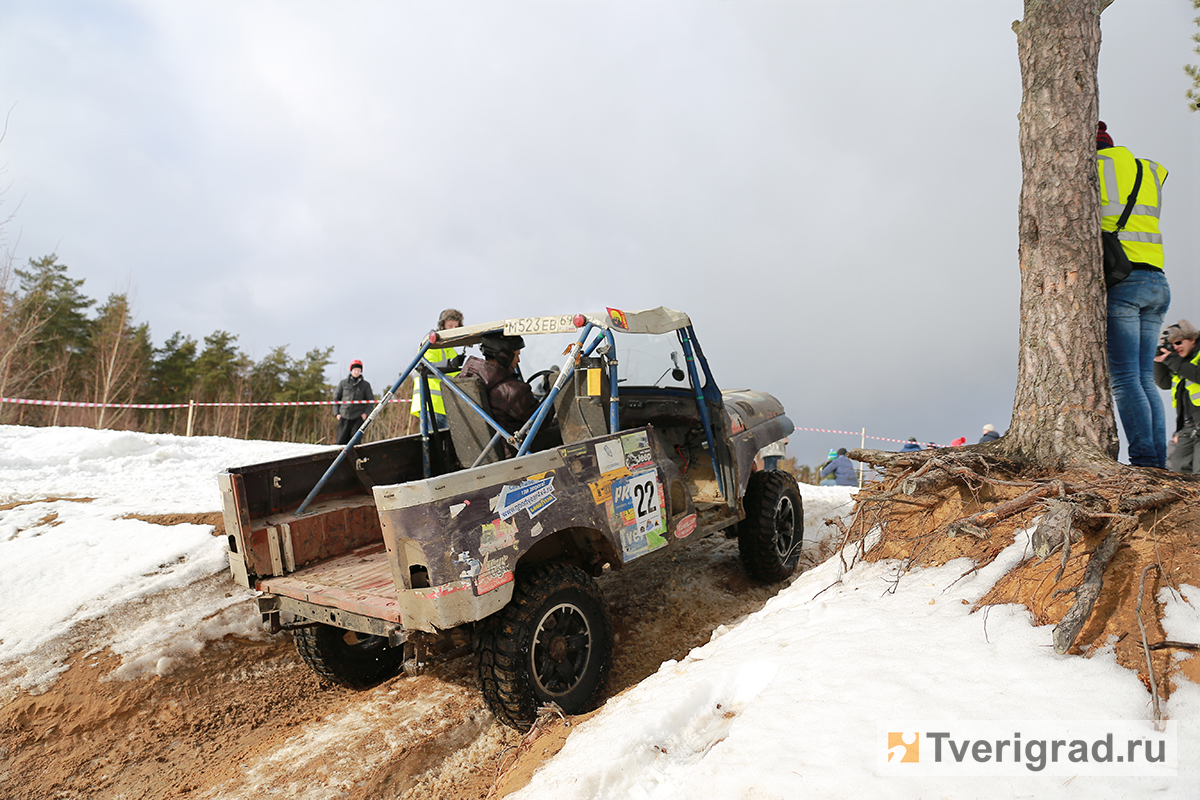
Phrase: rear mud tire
(354, 660)
(772, 534)
(551, 643)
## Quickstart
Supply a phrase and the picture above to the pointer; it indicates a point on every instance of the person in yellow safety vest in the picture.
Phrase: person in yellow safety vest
(1136, 305)
(448, 360)
(1177, 367)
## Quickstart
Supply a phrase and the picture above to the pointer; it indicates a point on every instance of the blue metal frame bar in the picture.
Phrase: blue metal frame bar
(427, 420)
(685, 339)
(358, 435)
(614, 410)
(530, 428)
(495, 440)
(463, 395)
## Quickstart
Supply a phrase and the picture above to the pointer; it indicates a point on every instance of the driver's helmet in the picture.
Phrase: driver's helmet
(499, 347)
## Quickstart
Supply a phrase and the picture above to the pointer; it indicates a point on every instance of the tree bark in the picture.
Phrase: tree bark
(1062, 412)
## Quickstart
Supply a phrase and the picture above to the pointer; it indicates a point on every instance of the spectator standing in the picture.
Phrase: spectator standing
(989, 434)
(773, 452)
(1137, 304)
(1177, 367)
(350, 394)
(447, 360)
(911, 445)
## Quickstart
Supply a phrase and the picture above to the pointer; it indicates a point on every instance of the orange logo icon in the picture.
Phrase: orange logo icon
(904, 747)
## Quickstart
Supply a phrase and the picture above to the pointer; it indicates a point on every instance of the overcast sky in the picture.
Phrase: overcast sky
(828, 189)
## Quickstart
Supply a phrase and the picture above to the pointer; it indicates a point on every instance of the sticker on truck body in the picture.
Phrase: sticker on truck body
(637, 450)
(602, 489)
(610, 456)
(495, 573)
(497, 535)
(637, 510)
(686, 526)
(534, 496)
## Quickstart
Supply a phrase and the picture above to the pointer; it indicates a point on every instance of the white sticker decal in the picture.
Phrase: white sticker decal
(609, 455)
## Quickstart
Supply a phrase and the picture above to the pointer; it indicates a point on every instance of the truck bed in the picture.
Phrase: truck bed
(359, 582)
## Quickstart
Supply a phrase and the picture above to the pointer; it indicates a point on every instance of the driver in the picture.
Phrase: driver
(511, 399)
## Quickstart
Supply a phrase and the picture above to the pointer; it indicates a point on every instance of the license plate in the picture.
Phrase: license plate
(524, 325)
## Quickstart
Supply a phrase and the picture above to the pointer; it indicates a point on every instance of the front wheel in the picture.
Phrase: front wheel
(771, 535)
(551, 643)
(356, 660)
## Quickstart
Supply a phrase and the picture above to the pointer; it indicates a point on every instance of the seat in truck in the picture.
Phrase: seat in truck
(468, 431)
(580, 416)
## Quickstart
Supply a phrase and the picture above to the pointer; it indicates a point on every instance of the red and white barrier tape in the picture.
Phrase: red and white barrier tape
(860, 435)
(72, 404)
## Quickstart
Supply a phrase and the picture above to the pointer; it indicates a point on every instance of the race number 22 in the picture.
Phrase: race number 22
(643, 490)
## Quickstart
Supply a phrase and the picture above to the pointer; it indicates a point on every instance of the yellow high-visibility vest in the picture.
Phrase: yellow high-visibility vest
(439, 357)
(1193, 389)
(1118, 171)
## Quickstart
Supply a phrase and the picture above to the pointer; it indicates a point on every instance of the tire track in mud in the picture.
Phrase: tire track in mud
(248, 718)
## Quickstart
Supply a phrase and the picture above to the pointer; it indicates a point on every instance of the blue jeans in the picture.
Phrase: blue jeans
(1136, 307)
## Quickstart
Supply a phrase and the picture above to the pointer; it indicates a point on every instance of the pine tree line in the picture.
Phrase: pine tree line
(57, 344)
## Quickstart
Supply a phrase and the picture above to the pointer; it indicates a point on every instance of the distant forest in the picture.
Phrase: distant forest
(58, 344)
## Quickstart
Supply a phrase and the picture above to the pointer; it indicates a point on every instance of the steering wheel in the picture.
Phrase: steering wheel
(539, 374)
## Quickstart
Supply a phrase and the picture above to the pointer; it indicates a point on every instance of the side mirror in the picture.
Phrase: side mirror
(677, 373)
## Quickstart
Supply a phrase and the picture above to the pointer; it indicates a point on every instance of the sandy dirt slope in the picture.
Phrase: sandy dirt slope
(248, 718)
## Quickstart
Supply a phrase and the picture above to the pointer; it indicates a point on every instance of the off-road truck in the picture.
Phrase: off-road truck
(383, 555)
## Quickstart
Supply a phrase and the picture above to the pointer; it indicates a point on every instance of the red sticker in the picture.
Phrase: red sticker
(686, 526)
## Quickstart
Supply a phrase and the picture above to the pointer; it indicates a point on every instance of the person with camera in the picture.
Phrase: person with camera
(1177, 367)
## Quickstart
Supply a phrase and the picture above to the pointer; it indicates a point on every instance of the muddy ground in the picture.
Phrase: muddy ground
(248, 718)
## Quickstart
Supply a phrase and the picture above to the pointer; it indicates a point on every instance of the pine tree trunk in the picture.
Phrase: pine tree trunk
(1062, 413)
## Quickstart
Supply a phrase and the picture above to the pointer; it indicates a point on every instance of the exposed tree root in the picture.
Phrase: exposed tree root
(1108, 524)
(1086, 593)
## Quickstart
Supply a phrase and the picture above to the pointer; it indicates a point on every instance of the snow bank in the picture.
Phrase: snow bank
(75, 561)
(790, 702)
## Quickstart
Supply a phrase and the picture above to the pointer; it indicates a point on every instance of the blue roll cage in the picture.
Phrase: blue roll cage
(705, 392)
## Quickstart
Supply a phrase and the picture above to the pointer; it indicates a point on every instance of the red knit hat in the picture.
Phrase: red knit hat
(1103, 140)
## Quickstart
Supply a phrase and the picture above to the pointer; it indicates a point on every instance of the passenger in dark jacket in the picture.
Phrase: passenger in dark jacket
(351, 411)
(841, 469)
(511, 399)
